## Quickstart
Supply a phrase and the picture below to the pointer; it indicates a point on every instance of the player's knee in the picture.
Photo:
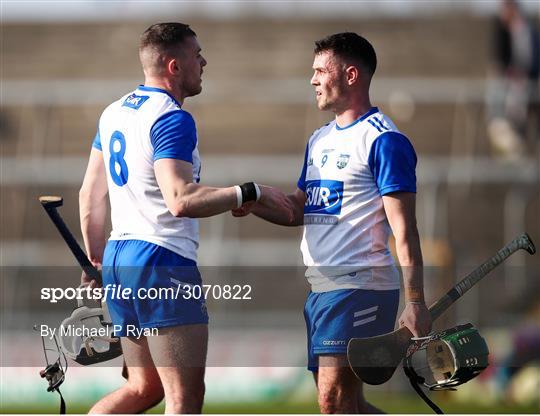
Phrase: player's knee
(148, 391)
(328, 404)
(337, 397)
(330, 400)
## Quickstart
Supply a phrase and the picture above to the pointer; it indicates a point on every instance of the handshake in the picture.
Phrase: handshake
(268, 203)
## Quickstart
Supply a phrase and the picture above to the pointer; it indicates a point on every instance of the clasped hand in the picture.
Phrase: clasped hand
(273, 201)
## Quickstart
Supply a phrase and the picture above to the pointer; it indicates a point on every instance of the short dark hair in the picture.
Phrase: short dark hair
(164, 36)
(350, 46)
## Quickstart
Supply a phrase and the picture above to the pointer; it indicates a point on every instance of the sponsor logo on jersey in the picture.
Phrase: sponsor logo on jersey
(323, 197)
(320, 219)
(327, 150)
(135, 101)
(342, 161)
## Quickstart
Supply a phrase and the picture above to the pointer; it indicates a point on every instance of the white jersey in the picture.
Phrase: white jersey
(138, 129)
(346, 172)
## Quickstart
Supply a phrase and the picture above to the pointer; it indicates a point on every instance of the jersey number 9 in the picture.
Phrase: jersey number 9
(323, 161)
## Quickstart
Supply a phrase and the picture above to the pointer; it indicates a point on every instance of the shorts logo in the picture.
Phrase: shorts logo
(135, 101)
(331, 342)
(323, 197)
(342, 161)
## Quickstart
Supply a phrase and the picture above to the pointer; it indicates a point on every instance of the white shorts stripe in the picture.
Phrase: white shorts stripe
(366, 311)
(178, 282)
(364, 321)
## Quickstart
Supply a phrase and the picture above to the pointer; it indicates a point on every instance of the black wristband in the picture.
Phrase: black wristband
(249, 192)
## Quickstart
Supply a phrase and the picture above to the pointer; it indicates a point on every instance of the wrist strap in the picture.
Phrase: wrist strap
(238, 196)
(250, 191)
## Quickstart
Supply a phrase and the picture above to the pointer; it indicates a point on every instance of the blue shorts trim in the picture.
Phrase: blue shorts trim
(333, 318)
(153, 275)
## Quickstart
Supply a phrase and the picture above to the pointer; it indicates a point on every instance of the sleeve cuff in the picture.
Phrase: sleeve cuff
(165, 155)
(396, 188)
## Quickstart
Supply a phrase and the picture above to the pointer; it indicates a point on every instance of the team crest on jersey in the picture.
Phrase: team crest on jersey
(342, 161)
(135, 101)
(310, 161)
(323, 197)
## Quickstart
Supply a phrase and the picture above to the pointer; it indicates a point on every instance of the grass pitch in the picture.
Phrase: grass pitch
(393, 403)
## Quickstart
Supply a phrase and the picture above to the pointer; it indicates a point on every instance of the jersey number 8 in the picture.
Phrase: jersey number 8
(117, 159)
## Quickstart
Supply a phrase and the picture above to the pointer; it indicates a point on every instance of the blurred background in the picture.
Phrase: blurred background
(459, 78)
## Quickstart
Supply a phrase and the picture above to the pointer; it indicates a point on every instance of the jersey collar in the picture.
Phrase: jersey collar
(145, 88)
(373, 110)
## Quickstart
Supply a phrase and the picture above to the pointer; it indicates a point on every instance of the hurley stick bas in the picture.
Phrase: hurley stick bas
(374, 360)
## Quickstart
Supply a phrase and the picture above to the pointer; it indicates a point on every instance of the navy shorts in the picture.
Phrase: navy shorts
(333, 318)
(147, 270)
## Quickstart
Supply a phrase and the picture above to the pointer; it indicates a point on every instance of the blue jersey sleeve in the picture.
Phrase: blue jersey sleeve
(392, 161)
(302, 180)
(174, 136)
(96, 144)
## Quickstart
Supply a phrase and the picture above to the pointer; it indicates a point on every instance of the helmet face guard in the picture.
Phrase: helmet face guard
(451, 357)
(445, 360)
(87, 336)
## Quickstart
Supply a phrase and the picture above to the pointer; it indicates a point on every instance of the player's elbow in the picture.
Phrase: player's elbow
(182, 202)
(406, 231)
(408, 248)
(181, 208)
(93, 193)
(85, 196)
(91, 198)
(178, 210)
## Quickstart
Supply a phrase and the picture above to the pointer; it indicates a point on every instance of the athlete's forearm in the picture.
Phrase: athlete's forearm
(93, 207)
(400, 209)
(277, 214)
(198, 201)
(410, 258)
(93, 213)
